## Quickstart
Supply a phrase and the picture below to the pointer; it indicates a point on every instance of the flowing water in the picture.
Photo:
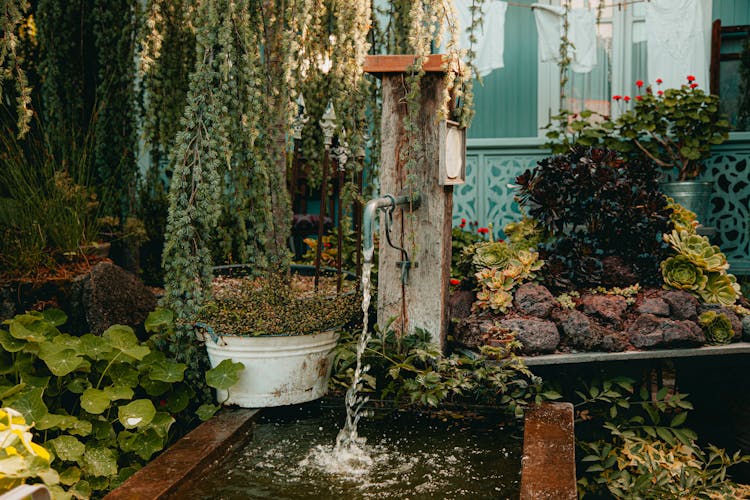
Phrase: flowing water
(410, 457)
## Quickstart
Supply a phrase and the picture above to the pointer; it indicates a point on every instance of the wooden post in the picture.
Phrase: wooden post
(426, 233)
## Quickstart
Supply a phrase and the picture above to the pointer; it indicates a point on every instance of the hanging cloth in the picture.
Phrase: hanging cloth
(490, 44)
(581, 34)
(677, 33)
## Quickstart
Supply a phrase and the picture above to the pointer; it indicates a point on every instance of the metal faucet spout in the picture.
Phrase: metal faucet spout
(368, 218)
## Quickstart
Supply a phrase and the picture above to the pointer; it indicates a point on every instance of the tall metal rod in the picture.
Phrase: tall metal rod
(339, 215)
(357, 216)
(322, 212)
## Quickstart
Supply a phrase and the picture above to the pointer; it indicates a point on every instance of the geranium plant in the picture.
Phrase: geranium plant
(675, 128)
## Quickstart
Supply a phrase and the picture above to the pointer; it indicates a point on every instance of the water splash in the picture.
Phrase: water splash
(350, 447)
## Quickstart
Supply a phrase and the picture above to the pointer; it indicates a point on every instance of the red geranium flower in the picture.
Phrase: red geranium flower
(639, 83)
(693, 85)
(661, 92)
(690, 78)
(638, 98)
(659, 81)
(616, 97)
(455, 282)
(626, 98)
(483, 230)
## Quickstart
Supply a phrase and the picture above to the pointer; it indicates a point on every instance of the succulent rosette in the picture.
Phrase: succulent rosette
(681, 273)
(721, 289)
(717, 327)
(698, 249)
(495, 254)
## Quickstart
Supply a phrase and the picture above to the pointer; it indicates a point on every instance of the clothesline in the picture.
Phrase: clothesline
(615, 4)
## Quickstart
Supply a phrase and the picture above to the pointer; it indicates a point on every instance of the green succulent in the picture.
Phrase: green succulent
(717, 327)
(698, 249)
(682, 218)
(492, 254)
(721, 288)
(681, 273)
(524, 234)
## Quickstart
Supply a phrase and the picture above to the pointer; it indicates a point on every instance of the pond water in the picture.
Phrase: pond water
(409, 457)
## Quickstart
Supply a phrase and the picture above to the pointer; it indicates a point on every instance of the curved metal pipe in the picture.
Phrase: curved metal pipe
(368, 218)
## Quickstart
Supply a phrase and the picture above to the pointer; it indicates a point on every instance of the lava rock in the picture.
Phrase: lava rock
(583, 333)
(649, 331)
(474, 331)
(113, 296)
(731, 316)
(609, 308)
(655, 306)
(538, 336)
(459, 304)
(534, 300)
(682, 305)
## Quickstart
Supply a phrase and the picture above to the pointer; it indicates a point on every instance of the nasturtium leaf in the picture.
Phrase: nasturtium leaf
(82, 489)
(103, 431)
(154, 387)
(144, 444)
(71, 475)
(124, 474)
(29, 328)
(29, 403)
(49, 421)
(55, 316)
(47, 475)
(206, 411)
(99, 483)
(136, 413)
(123, 374)
(161, 423)
(159, 320)
(61, 362)
(153, 358)
(95, 347)
(225, 375)
(168, 371)
(34, 381)
(10, 343)
(68, 341)
(78, 385)
(7, 366)
(119, 392)
(95, 401)
(8, 391)
(123, 338)
(67, 448)
(100, 461)
(179, 398)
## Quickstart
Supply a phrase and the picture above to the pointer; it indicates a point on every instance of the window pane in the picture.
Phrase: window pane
(593, 90)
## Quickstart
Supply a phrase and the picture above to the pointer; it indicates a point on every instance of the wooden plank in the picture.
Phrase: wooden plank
(382, 64)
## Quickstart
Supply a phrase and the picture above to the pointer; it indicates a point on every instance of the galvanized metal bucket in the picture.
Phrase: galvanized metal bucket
(693, 195)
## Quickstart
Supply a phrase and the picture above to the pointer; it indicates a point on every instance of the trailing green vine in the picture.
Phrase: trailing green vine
(12, 17)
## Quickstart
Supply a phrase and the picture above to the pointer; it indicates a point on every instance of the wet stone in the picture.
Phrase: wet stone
(650, 331)
(609, 308)
(655, 306)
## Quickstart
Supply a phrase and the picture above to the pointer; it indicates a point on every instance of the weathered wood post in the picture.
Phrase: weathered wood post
(425, 233)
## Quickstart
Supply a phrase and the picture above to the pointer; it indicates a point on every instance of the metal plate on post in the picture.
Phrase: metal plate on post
(452, 158)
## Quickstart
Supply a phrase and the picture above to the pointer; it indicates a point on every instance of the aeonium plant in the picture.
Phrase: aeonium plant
(675, 128)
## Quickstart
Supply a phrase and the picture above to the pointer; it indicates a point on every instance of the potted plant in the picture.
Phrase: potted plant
(676, 128)
(280, 328)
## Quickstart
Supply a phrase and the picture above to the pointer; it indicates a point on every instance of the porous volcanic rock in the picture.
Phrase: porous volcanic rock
(682, 305)
(534, 300)
(654, 305)
(731, 316)
(649, 331)
(608, 308)
(581, 332)
(538, 336)
(475, 331)
(112, 296)
(746, 328)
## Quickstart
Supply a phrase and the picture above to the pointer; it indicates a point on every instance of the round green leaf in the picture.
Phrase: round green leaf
(61, 361)
(225, 375)
(206, 411)
(144, 444)
(159, 320)
(100, 461)
(10, 343)
(55, 316)
(95, 401)
(70, 476)
(29, 327)
(123, 339)
(137, 413)
(119, 392)
(29, 403)
(67, 448)
(168, 371)
(161, 423)
(95, 347)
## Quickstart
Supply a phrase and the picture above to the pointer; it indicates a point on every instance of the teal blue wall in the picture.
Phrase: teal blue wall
(731, 12)
(506, 102)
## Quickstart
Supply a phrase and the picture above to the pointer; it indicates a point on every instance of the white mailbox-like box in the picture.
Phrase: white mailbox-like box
(452, 140)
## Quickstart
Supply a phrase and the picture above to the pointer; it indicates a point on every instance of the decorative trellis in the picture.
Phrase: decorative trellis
(487, 195)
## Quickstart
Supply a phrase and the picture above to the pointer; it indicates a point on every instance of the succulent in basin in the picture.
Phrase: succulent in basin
(698, 249)
(682, 218)
(681, 273)
(717, 327)
(721, 288)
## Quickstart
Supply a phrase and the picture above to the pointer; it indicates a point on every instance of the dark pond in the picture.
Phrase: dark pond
(412, 457)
